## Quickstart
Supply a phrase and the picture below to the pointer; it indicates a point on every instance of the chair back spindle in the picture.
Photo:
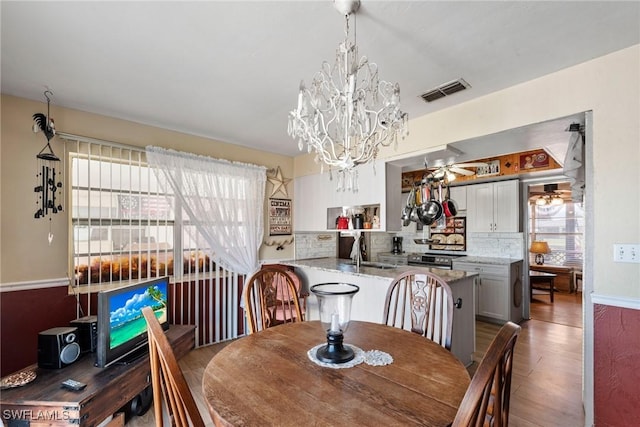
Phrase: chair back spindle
(421, 302)
(271, 298)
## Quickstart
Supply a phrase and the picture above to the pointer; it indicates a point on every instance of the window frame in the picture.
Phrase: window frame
(570, 257)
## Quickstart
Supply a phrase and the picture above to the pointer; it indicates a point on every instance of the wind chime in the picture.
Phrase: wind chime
(48, 181)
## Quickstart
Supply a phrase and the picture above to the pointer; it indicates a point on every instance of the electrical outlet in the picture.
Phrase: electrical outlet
(626, 253)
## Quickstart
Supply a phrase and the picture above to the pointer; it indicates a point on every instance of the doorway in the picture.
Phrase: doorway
(554, 220)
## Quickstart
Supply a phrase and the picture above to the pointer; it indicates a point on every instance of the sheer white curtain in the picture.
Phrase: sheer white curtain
(224, 200)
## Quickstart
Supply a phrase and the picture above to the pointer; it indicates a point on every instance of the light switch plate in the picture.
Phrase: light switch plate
(626, 253)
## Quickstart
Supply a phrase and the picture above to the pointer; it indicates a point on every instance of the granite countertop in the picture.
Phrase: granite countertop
(487, 260)
(374, 269)
(399, 255)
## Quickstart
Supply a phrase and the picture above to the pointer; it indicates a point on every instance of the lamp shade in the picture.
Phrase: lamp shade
(539, 247)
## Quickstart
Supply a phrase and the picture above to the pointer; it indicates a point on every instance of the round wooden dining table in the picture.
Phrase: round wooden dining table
(267, 379)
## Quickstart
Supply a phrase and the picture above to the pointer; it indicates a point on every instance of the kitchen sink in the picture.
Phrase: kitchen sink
(380, 265)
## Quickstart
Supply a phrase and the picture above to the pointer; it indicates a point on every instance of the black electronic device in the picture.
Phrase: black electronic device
(122, 329)
(87, 333)
(58, 347)
(397, 245)
(73, 385)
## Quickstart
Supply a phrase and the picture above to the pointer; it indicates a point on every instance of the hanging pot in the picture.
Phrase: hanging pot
(406, 212)
(421, 207)
(432, 210)
(449, 205)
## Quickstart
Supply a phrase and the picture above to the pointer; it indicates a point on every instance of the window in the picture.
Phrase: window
(562, 227)
(123, 223)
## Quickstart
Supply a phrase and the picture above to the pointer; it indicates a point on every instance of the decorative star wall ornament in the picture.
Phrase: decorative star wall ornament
(279, 183)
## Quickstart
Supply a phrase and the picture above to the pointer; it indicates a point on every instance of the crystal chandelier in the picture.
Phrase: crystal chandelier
(347, 113)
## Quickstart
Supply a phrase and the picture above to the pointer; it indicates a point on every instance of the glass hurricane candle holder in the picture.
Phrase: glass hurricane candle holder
(334, 304)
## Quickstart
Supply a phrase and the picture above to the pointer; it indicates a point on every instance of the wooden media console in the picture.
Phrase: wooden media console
(44, 402)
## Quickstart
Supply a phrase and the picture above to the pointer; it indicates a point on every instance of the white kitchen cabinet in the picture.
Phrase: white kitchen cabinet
(310, 203)
(498, 289)
(371, 187)
(493, 207)
(459, 195)
(316, 198)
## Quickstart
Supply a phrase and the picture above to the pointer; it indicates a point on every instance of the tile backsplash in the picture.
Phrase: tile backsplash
(499, 245)
(318, 245)
(315, 245)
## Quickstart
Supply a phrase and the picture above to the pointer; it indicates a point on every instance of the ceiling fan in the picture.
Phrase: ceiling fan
(449, 171)
(550, 196)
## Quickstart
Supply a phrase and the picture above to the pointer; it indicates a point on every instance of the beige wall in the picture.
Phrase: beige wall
(610, 87)
(25, 253)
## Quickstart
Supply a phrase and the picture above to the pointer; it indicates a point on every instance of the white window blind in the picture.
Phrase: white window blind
(123, 225)
(127, 226)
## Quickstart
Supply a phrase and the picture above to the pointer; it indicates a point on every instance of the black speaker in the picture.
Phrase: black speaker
(87, 333)
(58, 347)
(142, 402)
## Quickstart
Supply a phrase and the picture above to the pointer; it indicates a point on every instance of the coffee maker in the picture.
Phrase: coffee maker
(397, 245)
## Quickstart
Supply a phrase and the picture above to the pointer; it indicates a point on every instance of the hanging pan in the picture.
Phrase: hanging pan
(449, 205)
(416, 206)
(406, 212)
(432, 210)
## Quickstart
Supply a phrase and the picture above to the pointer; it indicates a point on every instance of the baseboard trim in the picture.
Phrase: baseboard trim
(33, 284)
(615, 301)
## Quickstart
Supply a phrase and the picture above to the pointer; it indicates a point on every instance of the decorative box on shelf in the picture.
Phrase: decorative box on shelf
(492, 168)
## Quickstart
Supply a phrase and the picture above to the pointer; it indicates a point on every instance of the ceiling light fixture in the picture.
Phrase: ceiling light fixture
(555, 200)
(347, 113)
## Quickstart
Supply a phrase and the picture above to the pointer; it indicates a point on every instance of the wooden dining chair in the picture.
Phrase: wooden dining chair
(302, 295)
(422, 301)
(271, 298)
(486, 401)
(167, 379)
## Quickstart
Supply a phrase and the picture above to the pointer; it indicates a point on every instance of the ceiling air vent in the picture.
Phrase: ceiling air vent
(445, 90)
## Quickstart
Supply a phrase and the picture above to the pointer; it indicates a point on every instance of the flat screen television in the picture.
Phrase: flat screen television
(122, 329)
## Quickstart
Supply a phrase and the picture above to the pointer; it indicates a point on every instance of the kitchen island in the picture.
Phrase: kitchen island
(374, 279)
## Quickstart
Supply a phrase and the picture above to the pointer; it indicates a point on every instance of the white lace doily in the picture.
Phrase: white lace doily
(357, 359)
(377, 358)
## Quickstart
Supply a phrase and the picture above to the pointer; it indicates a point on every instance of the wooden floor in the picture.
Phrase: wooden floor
(546, 386)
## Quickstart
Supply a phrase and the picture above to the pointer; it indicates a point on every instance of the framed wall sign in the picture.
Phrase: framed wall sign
(534, 160)
(279, 217)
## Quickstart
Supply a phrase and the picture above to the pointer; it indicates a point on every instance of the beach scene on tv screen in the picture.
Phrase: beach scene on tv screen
(126, 319)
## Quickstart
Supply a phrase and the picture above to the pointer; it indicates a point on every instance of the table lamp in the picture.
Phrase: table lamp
(539, 248)
(334, 304)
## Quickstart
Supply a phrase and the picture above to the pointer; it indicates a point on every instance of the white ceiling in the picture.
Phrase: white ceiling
(230, 70)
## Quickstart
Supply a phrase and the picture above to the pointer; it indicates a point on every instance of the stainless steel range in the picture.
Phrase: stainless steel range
(443, 261)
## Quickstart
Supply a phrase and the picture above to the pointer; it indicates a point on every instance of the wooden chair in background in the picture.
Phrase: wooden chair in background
(302, 295)
(486, 401)
(167, 379)
(271, 298)
(424, 300)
